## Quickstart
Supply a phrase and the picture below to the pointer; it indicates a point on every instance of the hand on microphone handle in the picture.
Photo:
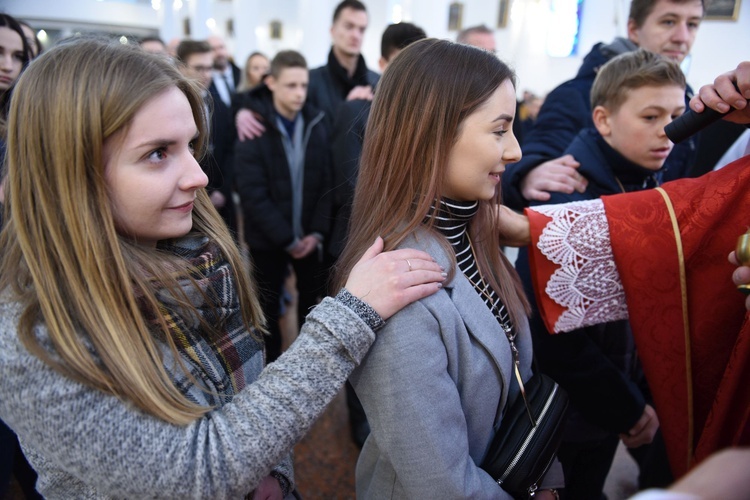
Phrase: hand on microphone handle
(691, 122)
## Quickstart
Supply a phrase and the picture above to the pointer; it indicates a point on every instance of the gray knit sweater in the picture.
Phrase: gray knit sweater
(86, 444)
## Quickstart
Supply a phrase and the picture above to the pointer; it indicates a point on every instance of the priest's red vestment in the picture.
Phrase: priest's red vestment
(670, 247)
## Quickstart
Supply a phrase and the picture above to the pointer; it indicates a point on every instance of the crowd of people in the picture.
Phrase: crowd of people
(156, 198)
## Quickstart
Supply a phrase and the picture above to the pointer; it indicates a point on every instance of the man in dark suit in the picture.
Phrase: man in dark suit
(227, 75)
(196, 61)
(224, 81)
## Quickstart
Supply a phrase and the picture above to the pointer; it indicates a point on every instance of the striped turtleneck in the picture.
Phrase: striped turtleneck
(452, 219)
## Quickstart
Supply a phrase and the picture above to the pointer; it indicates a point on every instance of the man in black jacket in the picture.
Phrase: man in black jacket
(224, 81)
(226, 75)
(345, 77)
(282, 177)
(633, 97)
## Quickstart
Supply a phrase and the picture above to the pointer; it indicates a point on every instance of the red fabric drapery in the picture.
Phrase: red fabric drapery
(692, 334)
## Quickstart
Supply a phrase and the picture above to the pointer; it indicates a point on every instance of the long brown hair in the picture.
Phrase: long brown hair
(421, 101)
(62, 258)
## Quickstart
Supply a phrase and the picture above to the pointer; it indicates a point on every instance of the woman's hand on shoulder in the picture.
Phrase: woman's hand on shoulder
(389, 281)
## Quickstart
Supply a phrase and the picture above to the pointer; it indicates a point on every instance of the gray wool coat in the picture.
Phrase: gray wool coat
(434, 387)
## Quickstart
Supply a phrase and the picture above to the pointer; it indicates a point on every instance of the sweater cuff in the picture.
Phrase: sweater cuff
(361, 309)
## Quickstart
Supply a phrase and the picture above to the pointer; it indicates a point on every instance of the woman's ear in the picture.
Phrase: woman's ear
(601, 118)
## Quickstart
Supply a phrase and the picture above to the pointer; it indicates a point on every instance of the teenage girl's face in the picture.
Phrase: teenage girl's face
(151, 170)
(485, 145)
(11, 57)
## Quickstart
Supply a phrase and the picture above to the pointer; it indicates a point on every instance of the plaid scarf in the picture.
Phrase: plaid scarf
(219, 353)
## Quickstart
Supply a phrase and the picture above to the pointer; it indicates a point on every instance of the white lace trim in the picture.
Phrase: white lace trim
(587, 283)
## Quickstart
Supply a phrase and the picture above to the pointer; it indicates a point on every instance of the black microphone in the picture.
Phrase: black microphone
(690, 123)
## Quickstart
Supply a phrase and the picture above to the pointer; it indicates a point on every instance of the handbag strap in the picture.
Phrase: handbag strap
(520, 384)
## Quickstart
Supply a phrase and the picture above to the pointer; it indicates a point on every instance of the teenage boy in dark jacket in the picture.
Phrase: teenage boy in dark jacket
(633, 97)
(282, 178)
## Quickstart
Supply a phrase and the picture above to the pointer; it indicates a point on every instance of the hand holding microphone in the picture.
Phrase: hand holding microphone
(726, 98)
(691, 122)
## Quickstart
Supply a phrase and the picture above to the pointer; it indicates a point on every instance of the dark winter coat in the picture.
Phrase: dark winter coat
(330, 84)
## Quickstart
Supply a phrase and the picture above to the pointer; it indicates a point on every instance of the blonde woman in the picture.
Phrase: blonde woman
(131, 363)
(256, 67)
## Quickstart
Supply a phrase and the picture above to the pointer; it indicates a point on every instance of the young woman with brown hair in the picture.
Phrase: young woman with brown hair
(438, 139)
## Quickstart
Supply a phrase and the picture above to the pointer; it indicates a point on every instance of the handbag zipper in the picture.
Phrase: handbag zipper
(528, 439)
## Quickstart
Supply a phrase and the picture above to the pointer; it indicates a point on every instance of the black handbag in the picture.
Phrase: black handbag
(522, 451)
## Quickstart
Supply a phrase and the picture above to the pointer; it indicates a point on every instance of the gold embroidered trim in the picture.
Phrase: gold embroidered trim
(686, 323)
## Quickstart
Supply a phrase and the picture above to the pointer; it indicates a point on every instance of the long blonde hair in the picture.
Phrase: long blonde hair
(62, 258)
(420, 103)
